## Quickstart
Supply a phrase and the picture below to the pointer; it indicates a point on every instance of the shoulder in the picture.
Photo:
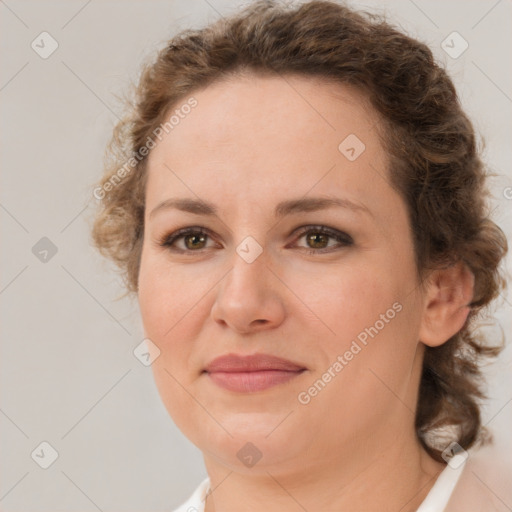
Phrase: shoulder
(485, 484)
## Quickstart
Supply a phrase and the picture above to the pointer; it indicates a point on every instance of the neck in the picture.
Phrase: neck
(397, 477)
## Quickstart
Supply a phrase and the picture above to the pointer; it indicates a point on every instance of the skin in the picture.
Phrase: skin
(250, 143)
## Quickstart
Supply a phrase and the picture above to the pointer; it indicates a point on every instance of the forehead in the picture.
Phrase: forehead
(271, 107)
(254, 135)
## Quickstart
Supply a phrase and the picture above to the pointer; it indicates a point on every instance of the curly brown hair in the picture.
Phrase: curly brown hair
(433, 162)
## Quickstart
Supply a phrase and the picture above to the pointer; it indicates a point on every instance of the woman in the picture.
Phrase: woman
(298, 202)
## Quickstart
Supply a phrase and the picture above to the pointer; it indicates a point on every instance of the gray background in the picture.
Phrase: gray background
(68, 374)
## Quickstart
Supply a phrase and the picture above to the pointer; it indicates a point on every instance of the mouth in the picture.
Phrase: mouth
(247, 382)
(252, 373)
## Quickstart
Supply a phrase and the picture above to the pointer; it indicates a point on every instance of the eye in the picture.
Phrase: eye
(318, 239)
(192, 239)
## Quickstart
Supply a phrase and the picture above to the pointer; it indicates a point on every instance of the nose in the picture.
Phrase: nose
(250, 298)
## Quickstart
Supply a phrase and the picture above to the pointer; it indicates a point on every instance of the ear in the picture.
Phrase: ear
(448, 293)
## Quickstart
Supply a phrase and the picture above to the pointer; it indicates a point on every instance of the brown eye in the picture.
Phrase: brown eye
(187, 240)
(317, 240)
(195, 241)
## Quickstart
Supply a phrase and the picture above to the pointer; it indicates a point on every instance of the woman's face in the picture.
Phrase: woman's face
(308, 257)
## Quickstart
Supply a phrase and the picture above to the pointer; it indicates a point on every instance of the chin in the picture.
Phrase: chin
(258, 441)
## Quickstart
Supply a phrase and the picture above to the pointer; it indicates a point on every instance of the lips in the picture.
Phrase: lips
(251, 373)
(252, 363)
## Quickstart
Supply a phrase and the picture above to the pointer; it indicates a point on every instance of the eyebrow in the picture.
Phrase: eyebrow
(304, 204)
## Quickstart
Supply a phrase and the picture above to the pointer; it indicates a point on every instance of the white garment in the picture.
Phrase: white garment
(196, 502)
(435, 501)
(442, 490)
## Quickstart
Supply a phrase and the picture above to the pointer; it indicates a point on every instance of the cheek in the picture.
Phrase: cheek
(376, 321)
(170, 309)
(163, 306)
(371, 351)
(175, 303)
(347, 297)
(166, 296)
(371, 317)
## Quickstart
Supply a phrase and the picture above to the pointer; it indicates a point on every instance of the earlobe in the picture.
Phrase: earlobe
(447, 297)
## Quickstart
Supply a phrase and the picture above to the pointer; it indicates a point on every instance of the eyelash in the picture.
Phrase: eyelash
(343, 239)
